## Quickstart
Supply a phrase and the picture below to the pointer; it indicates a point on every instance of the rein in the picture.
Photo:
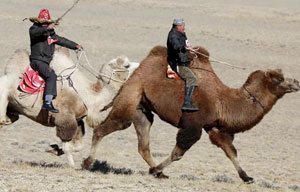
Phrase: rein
(252, 98)
(99, 75)
(91, 69)
(214, 60)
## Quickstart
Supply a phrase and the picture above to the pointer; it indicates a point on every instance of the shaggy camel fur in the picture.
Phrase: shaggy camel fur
(71, 101)
(223, 111)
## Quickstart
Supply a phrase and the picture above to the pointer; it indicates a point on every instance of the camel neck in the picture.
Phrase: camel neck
(253, 98)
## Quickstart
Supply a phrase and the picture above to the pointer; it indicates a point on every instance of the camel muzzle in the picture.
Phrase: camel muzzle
(292, 84)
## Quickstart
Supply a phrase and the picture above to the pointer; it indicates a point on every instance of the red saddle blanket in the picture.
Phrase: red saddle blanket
(32, 82)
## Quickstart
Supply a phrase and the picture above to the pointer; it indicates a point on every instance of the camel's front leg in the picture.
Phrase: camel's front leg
(185, 139)
(109, 126)
(67, 148)
(224, 141)
(120, 117)
(142, 123)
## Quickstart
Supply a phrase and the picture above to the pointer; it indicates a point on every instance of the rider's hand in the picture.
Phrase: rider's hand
(79, 47)
(50, 26)
(188, 48)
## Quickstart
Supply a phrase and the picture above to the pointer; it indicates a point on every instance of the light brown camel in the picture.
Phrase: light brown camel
(223, 111)
(85, 98)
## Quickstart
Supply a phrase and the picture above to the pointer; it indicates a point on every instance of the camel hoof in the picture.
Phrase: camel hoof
(55, 150)
(8, 122)
(87, 163)
(248, 180)
(2, 123)
(156, 174)
(161, 175)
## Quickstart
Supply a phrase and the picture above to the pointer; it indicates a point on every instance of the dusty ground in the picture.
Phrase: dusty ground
(258, 34)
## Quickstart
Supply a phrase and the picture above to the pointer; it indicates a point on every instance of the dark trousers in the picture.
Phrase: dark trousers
(47, 74)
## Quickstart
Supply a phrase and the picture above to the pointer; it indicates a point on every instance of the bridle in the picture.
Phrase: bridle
(253, 98)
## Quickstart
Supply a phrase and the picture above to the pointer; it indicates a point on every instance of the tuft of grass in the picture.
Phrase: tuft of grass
(44, 165)
(157, 154)
(222, 179)
(268, 185)
(189, 177)
(41, 164)
(294, 188)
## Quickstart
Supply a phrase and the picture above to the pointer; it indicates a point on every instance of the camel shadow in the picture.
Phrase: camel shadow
(105, 168)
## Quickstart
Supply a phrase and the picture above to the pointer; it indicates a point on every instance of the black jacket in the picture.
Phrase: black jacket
(177, 54)
(40, 49)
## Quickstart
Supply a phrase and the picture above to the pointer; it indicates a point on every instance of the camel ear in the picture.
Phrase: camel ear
(278, 71)
(267, 73)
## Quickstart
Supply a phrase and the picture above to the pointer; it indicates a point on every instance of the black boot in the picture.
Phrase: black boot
(187, 106)
(49, 107)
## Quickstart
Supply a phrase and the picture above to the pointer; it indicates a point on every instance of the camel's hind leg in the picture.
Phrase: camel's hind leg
(76, 144)
(66, 129)
(120, 117)
(185, 139)
(224, 141)
(11, 116)
(77, 139)
(142, 122)
(3, 100)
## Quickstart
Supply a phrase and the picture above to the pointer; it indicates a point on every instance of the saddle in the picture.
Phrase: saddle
(32, 82)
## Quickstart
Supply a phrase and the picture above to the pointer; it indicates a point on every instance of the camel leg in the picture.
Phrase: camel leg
(224, 141)
(77, 142)
(185, 139)
(3, 106)
(77, 139)
(66, 128)
(120, 117)
(67, 147)
(99, 133)
(142, 124)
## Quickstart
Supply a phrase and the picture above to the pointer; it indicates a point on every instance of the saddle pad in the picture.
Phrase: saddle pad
(172, 74)
(32, 82)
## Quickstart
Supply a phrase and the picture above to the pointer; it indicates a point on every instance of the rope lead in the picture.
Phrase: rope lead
(217, 61)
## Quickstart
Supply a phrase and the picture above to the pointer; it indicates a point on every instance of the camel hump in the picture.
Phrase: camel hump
(19, 59)
(158, 51)
(201, 52)
(20, 54)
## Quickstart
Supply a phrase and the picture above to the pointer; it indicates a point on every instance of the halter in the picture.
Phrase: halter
(252, 98)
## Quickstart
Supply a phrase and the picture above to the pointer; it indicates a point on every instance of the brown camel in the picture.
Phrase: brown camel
(223, 111)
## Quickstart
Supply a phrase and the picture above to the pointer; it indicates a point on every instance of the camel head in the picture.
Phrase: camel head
(117, 71)
(278, 84)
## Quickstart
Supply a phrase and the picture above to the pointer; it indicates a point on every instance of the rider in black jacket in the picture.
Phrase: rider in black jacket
(42, 44)
(178, 58)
